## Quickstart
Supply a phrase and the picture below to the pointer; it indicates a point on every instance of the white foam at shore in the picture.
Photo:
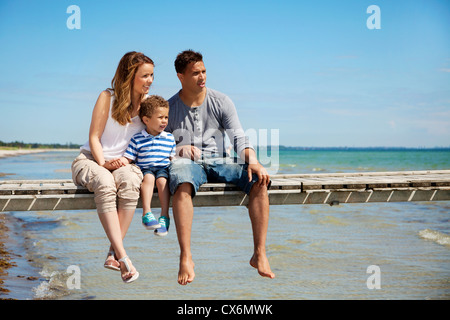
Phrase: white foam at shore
(53, 288)
(436, 236)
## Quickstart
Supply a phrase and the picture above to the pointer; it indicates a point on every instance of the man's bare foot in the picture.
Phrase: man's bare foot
(261, 263)
(186, 273)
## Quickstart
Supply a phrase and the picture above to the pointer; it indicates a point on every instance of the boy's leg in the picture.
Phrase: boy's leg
(164, 200)
(148, 219)
(164, 195)
(148, 184)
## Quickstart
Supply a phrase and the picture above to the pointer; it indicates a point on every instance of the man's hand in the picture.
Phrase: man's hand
(254, 167)
(190, 152)
(260, 171)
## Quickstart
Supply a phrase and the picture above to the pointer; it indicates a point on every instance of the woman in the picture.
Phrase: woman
(116, 184)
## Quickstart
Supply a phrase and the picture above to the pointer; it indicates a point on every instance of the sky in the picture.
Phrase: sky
(322, 73)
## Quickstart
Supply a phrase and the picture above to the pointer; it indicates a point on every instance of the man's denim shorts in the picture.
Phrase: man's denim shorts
(157, 172)
(220, 170)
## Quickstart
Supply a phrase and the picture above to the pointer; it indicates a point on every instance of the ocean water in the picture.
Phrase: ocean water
(316, 251)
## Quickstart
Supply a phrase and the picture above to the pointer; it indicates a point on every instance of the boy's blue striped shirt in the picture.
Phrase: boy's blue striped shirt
(151, 151)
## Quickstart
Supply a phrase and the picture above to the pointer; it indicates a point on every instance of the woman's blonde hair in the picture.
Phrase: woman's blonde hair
(122, 85)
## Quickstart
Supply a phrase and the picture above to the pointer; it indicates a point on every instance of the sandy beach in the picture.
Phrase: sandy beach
(19, 152)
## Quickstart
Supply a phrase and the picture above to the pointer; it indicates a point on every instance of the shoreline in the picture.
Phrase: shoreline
(5, 260)
(16, 275)
(18, 152)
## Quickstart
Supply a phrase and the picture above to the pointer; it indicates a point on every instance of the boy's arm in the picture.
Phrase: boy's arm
(130, 153)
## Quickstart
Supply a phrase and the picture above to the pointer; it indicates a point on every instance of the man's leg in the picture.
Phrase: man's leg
(183, 213)
(185, 176)
(258, 208)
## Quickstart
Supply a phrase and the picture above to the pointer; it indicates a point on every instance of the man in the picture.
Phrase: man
(198, 119)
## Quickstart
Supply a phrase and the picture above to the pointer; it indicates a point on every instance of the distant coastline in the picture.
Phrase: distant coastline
(282, 147)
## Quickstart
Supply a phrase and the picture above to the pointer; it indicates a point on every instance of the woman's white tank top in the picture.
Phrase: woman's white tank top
(115, 137)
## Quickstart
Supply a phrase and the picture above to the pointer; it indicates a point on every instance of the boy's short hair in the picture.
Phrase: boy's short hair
(186, 57)
(149, 105)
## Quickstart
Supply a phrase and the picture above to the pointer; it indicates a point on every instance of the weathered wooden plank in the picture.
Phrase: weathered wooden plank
(441, 195)
(334, 188)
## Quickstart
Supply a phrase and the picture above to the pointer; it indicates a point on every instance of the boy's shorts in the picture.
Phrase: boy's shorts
(215, 170)
(157, 172)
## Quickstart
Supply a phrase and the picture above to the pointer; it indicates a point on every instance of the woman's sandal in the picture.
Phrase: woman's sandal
(112, 264)
(135, 276)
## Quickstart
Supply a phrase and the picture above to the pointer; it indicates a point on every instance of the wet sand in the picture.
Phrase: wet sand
(17, 276)
(13, 264)
(5, 260)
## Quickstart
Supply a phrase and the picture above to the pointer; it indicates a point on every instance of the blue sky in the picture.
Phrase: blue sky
(312, 70)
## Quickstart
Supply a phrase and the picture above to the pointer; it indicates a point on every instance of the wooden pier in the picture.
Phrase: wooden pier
(331, 189)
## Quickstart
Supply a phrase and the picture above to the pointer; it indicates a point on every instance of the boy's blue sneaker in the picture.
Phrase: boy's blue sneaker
(149, 221)
(163, 230)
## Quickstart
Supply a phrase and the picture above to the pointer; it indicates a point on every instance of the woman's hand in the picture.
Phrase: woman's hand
(114, 164)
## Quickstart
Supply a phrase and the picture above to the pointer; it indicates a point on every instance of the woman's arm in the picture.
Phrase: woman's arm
(98, 123)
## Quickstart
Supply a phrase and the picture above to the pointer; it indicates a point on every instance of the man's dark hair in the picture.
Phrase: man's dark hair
(186, 57)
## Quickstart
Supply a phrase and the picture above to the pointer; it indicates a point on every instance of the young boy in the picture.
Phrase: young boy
(151, 150)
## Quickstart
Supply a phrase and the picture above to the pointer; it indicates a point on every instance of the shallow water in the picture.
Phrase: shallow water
(316, 251)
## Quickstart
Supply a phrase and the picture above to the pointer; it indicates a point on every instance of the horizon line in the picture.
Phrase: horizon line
(35, 145)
